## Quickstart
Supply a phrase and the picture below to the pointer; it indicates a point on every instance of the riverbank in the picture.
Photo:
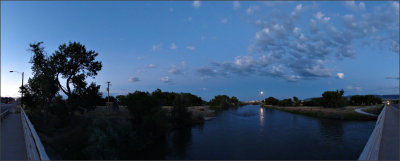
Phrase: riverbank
(347, 113)
(199, 113)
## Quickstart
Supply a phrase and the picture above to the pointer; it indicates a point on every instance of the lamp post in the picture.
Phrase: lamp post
(22, 91)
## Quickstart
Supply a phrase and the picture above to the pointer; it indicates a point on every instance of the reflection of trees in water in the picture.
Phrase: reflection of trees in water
(332, 130)
(181, 139)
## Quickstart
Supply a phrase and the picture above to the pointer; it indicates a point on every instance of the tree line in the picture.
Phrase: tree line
(330, 99)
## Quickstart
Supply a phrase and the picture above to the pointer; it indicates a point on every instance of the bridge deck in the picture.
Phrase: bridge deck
(12, 138)
(389, 149)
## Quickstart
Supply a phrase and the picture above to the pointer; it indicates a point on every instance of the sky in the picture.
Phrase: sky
(237, 48)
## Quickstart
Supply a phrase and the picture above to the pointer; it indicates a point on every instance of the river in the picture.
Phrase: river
(252, 132)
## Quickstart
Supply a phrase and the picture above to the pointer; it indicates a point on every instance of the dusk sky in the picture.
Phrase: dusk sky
(284, 49)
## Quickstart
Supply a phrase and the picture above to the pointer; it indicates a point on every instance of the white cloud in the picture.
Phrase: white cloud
(319, 15)
(340, 75)
(174, 70)
(173, 46)
(353, 5)
(250, 10)
(165, 79)
(156, 47)
(224, 20)
(133, 79)
(151, 66)
(297, 10)
(353, 88)
(189, 18)
(190, 48)
(236, 5)
(196, 4)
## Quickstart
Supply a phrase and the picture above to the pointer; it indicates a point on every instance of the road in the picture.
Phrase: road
(5, 107)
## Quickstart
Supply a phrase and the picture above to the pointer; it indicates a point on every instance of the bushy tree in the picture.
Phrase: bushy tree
(271, 101)
(334, 99)
(314, 102)
(121, 99)
(73, 63)
(285, 102)
(358, 100)
(42, 87)
(296, 101)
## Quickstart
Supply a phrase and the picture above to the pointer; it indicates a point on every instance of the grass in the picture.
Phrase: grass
(373, 109)
(346, 113)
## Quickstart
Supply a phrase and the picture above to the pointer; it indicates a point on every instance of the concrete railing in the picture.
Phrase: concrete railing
(34, 147)
(371, 149)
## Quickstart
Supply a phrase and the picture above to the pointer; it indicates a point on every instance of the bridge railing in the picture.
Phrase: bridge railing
(4, 114)
(34, 147)
(371, 149)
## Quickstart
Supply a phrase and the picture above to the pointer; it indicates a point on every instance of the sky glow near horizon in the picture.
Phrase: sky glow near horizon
(237, 48)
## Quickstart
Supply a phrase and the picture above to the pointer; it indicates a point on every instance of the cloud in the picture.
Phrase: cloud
(133, 79)
(151, 66)
(174, 70)
(392, 78)
(165, 79)
(190, 48)
(340, 75)
(224, 20)
(189, 18)
(196, 4)
(352, 5)
(353, 88)
(203, 38)
(236, 5)
(156, 47)
(297, 10)
(285, 50)
(250, 10)
(173, 46)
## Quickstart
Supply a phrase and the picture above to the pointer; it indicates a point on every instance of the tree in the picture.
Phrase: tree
(271, 101)
(235, 101)
(42, 87)
(222, 101)
(121, 99)
(334, 99)
(285, 102)
(314, 102)
(296, 101)
(74, 63)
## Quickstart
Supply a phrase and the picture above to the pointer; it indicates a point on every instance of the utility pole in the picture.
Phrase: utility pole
(108, 91)
(108, 97)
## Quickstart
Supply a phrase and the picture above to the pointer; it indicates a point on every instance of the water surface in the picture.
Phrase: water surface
(252, 132)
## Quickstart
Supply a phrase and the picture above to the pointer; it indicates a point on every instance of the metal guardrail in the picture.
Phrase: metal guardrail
(371, 149)
(34, 147)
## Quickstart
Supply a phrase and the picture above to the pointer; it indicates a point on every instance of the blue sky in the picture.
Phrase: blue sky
(207, 48)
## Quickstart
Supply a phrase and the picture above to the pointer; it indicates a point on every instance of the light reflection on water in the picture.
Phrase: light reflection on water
(261, 116)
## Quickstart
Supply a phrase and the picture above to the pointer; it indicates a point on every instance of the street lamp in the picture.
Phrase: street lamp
(22, 91)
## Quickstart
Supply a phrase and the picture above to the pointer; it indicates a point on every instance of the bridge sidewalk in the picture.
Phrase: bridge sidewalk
(389, 149)
(12, 138)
